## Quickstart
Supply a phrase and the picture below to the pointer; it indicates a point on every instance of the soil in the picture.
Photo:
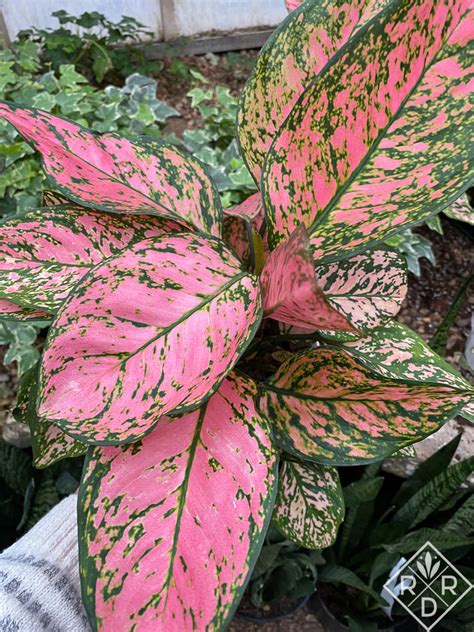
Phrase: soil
(429, 296)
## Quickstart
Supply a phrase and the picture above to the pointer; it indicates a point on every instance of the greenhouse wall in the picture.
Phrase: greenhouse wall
(168, 19)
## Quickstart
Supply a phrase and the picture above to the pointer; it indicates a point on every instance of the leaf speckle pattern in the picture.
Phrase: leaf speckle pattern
(329, 408)
(290, 60)
(119, 175)
(368, 289)
(151, 331)
(174, 523)
(45, 252)
(309, 506)
(362, 154)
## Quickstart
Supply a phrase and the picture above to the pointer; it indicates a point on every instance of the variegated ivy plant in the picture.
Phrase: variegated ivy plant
(192, 350)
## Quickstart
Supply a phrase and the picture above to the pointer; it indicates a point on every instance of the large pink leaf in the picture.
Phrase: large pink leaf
(290, 291)
(151, 331)
(379, 140)
(12, 311)
(120, 175)
(290, 60)
(330, 408)
(170, 527)
(45, 252)
(368, 289)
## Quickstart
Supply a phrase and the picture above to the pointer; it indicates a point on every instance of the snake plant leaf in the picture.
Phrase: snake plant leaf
(110, 173)
(50, 444)
(291, 293)
(151, 331)
(329, 408)
(378, 141)
(290, 60)
(171, 526)
(240, 224)
(461, 210)
(45, 252)
(10, 311)
(368, 289)
(309, 506)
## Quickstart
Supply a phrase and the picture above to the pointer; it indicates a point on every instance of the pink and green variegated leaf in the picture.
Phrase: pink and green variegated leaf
(378, 141)
(171, 526)
(468, 411)
(290, 291)
(13, 312)
(396, 352)
(290, 60)
(461, 210)
(110, 173)
(329, 408)
(45, 252)
(52, 198)
(50, 444)
(309, 506)
(151, 331)
(291, 5)
(240, 223)
(368, 289)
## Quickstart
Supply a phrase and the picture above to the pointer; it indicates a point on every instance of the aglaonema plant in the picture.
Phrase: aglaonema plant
(194, 353)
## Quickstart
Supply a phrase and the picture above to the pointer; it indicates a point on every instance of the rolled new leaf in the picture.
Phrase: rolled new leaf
(120, 175)
(290, 60)
(240, 222)
(151, 331)
(171, 526)
(347, 296)
(327, 407)
(45, 252)
(378, 141)
(309, 506)
(290, 291)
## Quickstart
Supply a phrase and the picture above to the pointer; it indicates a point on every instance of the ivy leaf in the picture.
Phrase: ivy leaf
(115, 174)
(45, 252)
(309, 506)
(329, 408)
(151, 331)
(377, 141)
(171, 527)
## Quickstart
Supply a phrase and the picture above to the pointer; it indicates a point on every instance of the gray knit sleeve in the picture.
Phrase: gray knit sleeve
(39, 577)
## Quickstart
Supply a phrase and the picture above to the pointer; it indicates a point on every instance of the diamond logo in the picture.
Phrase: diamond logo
(428, 586)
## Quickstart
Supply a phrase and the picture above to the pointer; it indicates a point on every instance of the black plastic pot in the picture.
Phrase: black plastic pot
(331, 624)
(273, 619)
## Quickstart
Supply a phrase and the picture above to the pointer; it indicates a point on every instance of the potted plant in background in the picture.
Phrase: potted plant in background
(164, 359)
